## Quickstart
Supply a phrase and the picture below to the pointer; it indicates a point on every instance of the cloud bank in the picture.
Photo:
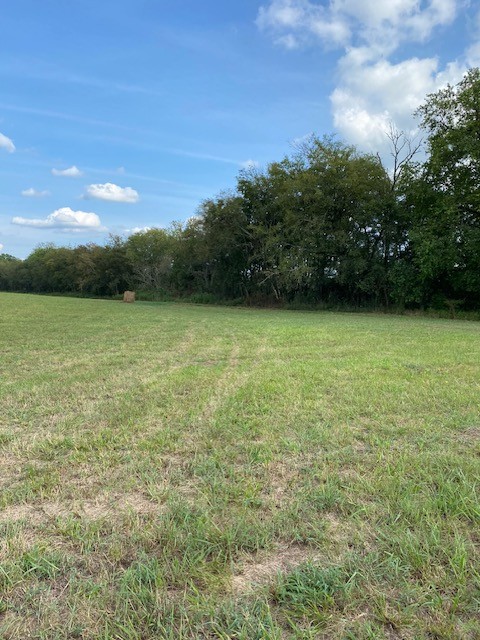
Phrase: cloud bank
(373, 90)
(64, 219)
(6, 143)
(382, 26)
(112, 192)
(71, 172)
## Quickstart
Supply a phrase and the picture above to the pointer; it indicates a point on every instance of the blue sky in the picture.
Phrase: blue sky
(123, 115)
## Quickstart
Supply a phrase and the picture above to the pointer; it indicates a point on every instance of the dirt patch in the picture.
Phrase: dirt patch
(470, 435)
(11, 469)
(282, 476)
(261, 569)
(111, 504)
(105, 505)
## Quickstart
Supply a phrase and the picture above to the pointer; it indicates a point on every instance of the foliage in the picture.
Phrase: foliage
(443, 195)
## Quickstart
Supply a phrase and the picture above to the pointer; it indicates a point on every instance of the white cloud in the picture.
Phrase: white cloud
(381, 25)
(131, 232)
(112, 192)
(282, 13)
(295, 21)
(389, 23)
(372, 95)
(33, 193)
(6, 143)
(64, 219)
(372, 91)
(1, 247)
(289, 41)
(437, 13)
(71, 172)
(250, 164)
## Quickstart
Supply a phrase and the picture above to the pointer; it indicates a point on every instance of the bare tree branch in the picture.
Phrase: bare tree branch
(403, 149)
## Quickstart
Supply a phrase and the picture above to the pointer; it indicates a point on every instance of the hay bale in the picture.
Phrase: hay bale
(129, 296)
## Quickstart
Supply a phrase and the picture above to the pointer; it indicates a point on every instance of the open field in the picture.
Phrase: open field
(179, 472)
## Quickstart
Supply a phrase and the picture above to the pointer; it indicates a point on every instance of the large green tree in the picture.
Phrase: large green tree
(319, 223)
(151, 254)
(446, 197)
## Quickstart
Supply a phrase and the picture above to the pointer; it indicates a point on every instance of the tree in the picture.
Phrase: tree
(49, 269)
(227, 244)
(401, 279)
(9, 272)
(190, 269)
(151, 255)
(446, 229)
(318, 223)
(112, 268)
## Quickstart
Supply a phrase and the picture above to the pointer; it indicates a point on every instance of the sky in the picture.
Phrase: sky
(120, 116)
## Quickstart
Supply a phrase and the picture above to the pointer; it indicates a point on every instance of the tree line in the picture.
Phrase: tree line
(327, 224)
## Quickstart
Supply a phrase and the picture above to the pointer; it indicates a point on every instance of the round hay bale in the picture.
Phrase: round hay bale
(129, 296)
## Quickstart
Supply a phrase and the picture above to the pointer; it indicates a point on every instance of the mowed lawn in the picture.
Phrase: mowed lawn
(175, 471)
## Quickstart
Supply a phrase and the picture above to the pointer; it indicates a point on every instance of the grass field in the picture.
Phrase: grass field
(174, 471)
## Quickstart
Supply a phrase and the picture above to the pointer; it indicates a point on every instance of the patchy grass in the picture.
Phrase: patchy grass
(179, 472)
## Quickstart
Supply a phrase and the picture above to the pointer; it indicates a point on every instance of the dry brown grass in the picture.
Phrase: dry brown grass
(253, 571)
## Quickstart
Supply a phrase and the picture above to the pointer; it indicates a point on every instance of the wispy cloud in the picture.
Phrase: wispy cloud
(33, 193)
(243, 164)
(112, 192)
(64, 219)
(203, 156)
(71, 172)
(134, 142)
(100, 83)
(293, 22)
(69, 117)
(6, 143)
(64, 76)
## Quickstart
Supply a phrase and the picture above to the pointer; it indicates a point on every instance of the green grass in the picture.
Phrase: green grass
(178, 472)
